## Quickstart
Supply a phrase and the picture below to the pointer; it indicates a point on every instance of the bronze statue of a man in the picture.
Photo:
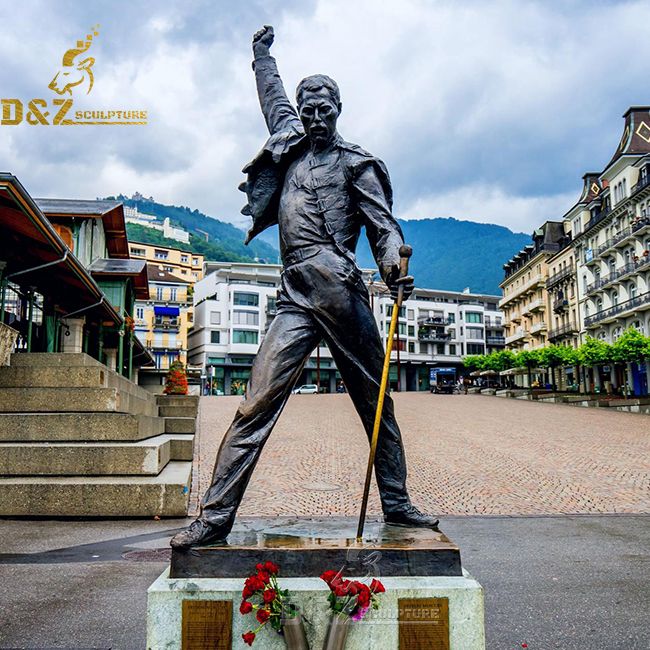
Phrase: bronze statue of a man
(320, 190)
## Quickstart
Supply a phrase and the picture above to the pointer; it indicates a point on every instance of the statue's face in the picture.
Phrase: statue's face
(318, 114)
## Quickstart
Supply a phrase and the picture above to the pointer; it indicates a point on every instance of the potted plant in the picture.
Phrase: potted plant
(176, 380)
(262, 595)
(349, 600)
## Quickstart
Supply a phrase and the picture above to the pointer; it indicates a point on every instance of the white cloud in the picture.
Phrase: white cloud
(487, 204)
(484, 111)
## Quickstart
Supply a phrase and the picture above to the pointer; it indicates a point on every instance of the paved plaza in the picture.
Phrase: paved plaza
(467, 455)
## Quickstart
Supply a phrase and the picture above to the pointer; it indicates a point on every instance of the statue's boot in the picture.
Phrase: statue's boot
(410, 516)
(201, 533)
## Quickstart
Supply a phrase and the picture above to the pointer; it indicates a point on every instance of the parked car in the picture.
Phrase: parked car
(306, 389)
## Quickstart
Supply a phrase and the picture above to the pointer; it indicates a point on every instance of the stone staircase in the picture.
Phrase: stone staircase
(77, 439)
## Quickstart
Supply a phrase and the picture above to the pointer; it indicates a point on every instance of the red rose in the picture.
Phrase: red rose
(263, 615)
(342, 588)
(376, 587)
(259, 567)
(328, 576)
(245, 607)
(264, 577)
(271, 567)
(353, 588)
(247, 592)
(364, 596)
(255, 583)
(269, 595)
(248, 637)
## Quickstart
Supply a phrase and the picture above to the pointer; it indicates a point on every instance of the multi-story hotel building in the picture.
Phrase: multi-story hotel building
(611, 231)
(235, 303)
(525, 303)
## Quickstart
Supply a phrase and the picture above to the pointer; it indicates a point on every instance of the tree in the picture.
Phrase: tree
(528, 359)
(631, 346)
(474, 362)
(594, 351)
(554, 356)
(176, 379)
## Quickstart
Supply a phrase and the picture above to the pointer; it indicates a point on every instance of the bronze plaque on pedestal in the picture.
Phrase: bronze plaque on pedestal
(423, 623)
(207, 625)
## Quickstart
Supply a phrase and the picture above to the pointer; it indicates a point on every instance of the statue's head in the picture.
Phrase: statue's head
(319, 107)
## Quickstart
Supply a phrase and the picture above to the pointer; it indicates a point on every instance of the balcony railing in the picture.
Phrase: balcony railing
(556, 278)
(619, 273)
(564, 330)
(533, 305)
(493, 322)
(435, 321)
(517, 335)
(560, 304)
(597, 218)
(538, 327)
(433, 337)
(644, 182)
(639, 224)
(639, 301)
(496, 340)
(534, 281)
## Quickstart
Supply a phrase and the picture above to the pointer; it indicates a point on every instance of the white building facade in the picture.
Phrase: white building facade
(235, 303)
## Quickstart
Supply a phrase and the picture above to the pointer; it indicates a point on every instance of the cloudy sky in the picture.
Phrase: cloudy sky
(483, 111)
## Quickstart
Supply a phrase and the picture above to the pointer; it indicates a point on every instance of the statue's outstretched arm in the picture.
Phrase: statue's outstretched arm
(278, 112)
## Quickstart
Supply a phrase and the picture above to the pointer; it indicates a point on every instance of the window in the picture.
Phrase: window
(139, 252)
(246, 299)
(401, 328)
(412, 347)
(440, 348)
(195, 261)
(411, 314)
(632, 291)
(159, 293)
(452, 348)
(411, 330)
(160, 254)
(184, 259)
(214, 336)
(451, 318)
(215, 318)
(244, 336)
(240, 317)
(172, 294)
(475, 348)
(473, 317)
(139, 313)
(615, 298)
(389, 311)
(475, 333)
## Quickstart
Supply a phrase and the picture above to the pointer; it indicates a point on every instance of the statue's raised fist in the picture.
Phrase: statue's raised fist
(262, 40)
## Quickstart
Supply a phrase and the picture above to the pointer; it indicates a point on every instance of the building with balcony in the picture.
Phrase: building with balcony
(235, 303)
(528, 315)
(162, 322)
(183, 263)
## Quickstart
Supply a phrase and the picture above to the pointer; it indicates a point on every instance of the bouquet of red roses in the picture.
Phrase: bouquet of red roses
(263, 596)
(351, 597)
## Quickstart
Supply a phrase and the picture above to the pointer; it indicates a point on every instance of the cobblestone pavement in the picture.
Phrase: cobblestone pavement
(467, 454)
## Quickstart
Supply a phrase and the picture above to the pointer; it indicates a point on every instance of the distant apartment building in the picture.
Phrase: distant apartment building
(180, 262)
(162, 320)
(235, 303)
(526, 305)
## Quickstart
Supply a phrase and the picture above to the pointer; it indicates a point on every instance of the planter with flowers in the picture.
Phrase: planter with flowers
(349, 600)
(263, 597)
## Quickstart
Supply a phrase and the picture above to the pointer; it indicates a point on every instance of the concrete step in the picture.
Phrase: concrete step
(177, 411)
(178, 400)
(65, 400)
(88, 458)
(79, 427)
(58, 359)
(53, 370)
(180, 425)
(53, 377)
(182, 446)
(165, 495)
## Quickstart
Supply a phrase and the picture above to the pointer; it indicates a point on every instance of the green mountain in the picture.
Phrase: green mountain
(447, 253)
(452, 254)
(215, 239)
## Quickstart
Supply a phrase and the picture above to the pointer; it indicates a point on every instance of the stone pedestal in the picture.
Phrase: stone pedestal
(379, 630)
(412, 564)
(73, 338)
